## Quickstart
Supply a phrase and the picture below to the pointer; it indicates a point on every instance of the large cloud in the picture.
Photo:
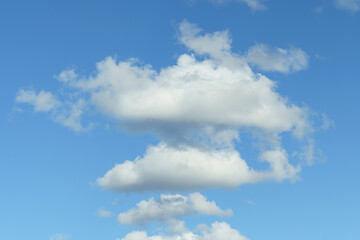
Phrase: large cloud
(187, 168)
(169, 208)
(218, 90)
(197, 106)
(217, 231)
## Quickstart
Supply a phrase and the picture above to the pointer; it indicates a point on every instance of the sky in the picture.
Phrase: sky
(179, 120)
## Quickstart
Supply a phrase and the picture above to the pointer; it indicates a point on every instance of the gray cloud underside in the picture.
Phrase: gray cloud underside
(168, 208)
(204, 99)
(217, 231)
(169, 168)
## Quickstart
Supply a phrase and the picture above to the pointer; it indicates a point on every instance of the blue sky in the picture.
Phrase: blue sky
(186, 119)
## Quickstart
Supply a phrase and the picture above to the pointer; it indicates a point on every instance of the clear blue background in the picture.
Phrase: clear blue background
(47, 172)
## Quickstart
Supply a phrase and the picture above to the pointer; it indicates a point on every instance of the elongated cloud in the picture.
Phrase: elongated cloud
(191, 92)
(348, 5)
(169, 208)
(268, 58)
(102, 213)
(188, 168)
(217, 231)
(253, 4)
(60, 236)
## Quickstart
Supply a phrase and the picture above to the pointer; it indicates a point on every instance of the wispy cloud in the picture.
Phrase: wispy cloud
(103, 213)
(319, 9)
(60, 236)
(255, 5)
(268, 58)
(250, 202)
(67, 114)
(42, 101)
(348, 5)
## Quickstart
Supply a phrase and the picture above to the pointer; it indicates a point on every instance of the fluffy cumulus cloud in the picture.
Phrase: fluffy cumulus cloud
(187, 168)
(170, 207)
(219, 90)
(253, 4)
(217, 231)
(349, 5)
(268, 58)
(197, 107)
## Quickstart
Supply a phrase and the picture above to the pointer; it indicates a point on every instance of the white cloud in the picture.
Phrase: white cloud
(59, 236)
(268, 58)
(327, 122)
(217, 231)
(67, 114)
(42, 102)
(216, 44)
(319, 9)
(220, 90)
(197, 106)
(70, 116)
(192, 92)
(250, 202)
(170, 207)
(187, 168)
(102, 213)
(310, 154)
(67, 76)
(348, 5)
(253, 4)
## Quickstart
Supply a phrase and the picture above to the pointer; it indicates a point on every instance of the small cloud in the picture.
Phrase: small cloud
(190, 2)
(268, 58)
(102, 213)
(42, 101)
(59, 236)
(168, 208)
(67, 114)
(250, 202)
(116, 202)
(319, 9)
(326, 122)
(319, 57)
(67, 76)
(310, 154)
(254, 5)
